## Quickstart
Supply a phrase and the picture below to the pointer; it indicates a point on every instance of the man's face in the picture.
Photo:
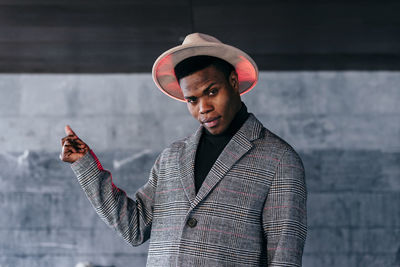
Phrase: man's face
(211, 99)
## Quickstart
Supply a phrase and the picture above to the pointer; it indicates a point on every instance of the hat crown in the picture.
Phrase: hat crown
(197, 37)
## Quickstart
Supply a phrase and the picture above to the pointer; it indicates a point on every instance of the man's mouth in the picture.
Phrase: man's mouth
(212, 122)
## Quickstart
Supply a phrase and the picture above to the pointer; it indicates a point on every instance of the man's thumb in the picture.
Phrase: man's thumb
(68, 130)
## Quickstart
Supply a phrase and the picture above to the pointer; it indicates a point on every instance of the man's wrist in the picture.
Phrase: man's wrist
(82, 163)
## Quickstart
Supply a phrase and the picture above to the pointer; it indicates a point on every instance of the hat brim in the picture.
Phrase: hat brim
(164, 75)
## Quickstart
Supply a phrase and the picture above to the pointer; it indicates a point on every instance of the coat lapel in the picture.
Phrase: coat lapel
(186, 165)
(238, 146)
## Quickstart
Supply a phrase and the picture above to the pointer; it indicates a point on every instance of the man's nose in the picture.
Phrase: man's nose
(205, 106)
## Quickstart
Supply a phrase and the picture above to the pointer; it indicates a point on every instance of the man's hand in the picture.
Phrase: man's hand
(73, 148)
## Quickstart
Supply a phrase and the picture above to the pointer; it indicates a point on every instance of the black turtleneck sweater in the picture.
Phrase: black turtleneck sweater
(210, 146)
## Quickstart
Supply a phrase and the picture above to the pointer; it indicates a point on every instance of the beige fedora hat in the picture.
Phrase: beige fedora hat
(196, 44)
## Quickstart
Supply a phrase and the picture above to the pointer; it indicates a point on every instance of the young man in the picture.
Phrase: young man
(231, 194)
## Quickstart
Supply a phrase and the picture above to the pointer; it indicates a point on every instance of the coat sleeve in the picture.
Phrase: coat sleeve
(131, 218)
(284, 215)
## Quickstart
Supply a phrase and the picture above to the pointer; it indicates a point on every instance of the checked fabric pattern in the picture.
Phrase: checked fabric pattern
(250, 210)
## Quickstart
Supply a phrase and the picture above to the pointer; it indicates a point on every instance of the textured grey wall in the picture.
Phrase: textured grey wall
(346, 126)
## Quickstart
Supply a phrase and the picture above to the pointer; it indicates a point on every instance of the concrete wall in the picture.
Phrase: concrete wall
(345, 125)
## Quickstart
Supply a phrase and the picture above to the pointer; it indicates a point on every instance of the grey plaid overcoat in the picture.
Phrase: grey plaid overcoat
(250, 210)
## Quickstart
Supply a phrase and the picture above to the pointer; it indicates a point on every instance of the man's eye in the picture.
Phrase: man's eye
(190, 100)
(213, 92)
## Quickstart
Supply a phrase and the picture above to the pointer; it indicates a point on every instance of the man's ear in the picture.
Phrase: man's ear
(234, 80)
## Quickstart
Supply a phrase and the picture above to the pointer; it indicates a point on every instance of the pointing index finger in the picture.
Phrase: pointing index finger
(68, 130)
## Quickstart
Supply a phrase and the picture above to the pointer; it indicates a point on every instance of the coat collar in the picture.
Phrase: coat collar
(239, 145)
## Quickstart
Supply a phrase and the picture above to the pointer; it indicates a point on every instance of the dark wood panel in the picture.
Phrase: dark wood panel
(127, 36)
(89, 36)
(94, 16)
(315, 40)
(92, 2)
(327, 62)
(123, 58)
(165, 33)
(82, 57)
(304, 27)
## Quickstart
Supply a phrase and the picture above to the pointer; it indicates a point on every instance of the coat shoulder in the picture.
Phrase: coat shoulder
(273, 142)
(176, 146)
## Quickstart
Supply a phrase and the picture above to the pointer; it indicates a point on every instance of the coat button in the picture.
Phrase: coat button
(192, 222)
